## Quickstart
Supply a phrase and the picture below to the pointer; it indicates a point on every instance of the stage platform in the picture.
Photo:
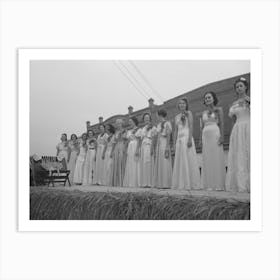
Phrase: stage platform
(244, 197)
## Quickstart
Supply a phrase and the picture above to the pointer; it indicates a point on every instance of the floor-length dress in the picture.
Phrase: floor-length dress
(213, 162)
(109, 161)
(79, 169)
(89, 166)
(63, 149)
(119, 158)
(185, 171)
(74, 149)
(163, 166)
(146, 159)
(238, 174)
(132, 167)
(100, 175)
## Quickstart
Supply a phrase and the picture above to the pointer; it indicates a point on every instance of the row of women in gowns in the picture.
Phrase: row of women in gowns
(141, 157)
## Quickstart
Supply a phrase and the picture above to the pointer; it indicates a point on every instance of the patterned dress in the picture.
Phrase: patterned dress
(109, 161)
(89, 166)
(63, 149)
(119, 158)
(146, 159)
(163, 165)
(100, 175)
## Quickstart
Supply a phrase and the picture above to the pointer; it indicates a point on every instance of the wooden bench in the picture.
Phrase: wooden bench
(51, 171)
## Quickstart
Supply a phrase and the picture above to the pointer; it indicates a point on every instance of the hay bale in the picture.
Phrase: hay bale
(51, 204)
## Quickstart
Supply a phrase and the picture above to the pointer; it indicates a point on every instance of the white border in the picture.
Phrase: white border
(24, 58)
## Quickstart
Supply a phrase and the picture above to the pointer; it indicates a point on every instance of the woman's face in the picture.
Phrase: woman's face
(107, 129)
(84, 137)
(131, 123)
(160, 118)
(182, 105)
(63, 137)
(73, 137)
(147, 119)
(240, 88)
(208, 99)
(102, 129)
(90, 134)
(118, 124)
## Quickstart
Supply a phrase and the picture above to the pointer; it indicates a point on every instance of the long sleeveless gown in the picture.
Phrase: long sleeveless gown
(132, 168)
(213, 162)
(163, 166)
(74, 149)
(238, 175)
(146, 159)
(89, 166)
(100, 175)
(119, 158)
(185, 171)
(79, 169)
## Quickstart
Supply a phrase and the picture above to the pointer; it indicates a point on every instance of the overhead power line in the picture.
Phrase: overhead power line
(146, 81)
(130, 80)
(135, 79)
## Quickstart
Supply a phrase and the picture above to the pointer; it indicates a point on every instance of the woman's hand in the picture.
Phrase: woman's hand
(221, 141)
(172, 150)
(111, 155)
(137, 153)
(103, 156)
(189, 143)
(167, 153)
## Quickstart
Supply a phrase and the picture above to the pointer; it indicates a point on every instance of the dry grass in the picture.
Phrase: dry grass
(48, 204)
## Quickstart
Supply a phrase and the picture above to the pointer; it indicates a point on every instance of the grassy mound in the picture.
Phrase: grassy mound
(48, 204)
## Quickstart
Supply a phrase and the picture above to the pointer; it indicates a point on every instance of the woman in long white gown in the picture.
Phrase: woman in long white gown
(89, 166)
(62, 149)
(119, 154)
(108, 156)
(100, 175)
(238, 175)
(73, 150)
(162, 177)
(185, 171)
(132, 168)
(79, 168)
(147, 133)
(213, 162)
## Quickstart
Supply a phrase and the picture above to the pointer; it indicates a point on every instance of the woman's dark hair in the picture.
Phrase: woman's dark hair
(76, 137)
(89, 132)
(242, 80)
(84, 134)
(148, 115)
(134, 119)
(111, 128)
(162, 113)
(186, 101)
(64, 134)
(102, 124)
(215, 98)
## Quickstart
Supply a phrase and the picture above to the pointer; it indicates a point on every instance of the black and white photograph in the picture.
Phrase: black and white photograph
(140, 140)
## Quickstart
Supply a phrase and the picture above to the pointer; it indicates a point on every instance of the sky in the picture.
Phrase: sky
(66, 94)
